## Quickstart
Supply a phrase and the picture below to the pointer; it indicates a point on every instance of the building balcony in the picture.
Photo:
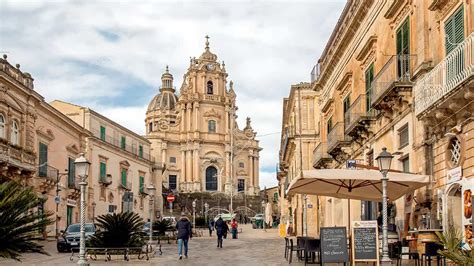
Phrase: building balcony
(452, 79)
(359, 117)
(48, 176)
(321, 158)
(392, 82)
(15, 160)
(105, 180)
(337, 140)
(125, 186)
(117, 143)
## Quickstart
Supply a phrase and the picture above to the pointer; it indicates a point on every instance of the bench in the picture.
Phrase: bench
(126, 252)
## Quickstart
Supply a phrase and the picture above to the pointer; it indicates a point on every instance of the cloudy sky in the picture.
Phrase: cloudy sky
(109, 55)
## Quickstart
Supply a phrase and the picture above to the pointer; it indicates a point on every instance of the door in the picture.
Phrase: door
(403, 51)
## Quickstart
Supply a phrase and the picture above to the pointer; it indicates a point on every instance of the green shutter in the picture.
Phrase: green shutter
(140, 151)
(122, 143)
(347, 103)
(103, 171)
(142, 183)
(102, 133)
(71, 173)
(369, 77)
(454, 30)
(43, 160)
(124, 177)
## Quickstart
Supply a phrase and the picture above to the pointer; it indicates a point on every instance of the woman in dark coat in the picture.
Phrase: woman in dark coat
(185, 232)
(221, 229)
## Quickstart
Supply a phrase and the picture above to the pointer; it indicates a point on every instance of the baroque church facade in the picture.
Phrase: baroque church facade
(194, 134)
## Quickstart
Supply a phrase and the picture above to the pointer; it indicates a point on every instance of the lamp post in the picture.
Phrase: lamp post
(194, 213)
(206, 207)
(151, 192)
(81, 165)
(384, 160)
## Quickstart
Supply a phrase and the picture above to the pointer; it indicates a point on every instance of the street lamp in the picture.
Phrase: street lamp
(384, 160)
(151, 192)
(206, 208)
(81, 165)
(194, 213)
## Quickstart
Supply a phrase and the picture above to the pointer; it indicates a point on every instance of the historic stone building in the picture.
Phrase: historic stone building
(398, 74)
(299, 137)
(195, 135)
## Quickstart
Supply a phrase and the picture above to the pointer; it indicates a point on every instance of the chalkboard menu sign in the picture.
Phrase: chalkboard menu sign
(365, 241)
(334, 245)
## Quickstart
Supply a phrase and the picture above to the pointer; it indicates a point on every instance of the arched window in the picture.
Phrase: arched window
(15, 137)
(2, 126)
(150, 127)
(210, 88)
(211, 126)
(211, 178)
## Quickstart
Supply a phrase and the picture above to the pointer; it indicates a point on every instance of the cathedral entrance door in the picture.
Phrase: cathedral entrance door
(211, 178)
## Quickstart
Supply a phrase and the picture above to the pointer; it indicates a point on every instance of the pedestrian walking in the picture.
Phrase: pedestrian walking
(184, 234)
(233, 226)
(225, 232)
(221, 228)
(211, 226)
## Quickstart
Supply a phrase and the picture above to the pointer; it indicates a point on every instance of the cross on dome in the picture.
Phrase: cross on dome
(207, 42)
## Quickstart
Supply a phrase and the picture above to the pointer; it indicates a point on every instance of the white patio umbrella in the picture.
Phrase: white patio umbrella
(360, 184)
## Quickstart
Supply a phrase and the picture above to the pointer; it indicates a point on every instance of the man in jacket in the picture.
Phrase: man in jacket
(184, 234)
(221, 229)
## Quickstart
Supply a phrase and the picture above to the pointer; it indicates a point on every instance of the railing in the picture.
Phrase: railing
(315, 73)
(398, 69)
(357, 112)
(22, 77)
(117, 143)
(127, 185)
(452, 71)
(336, 135)
(9, 153)
(47, 171)
(320, 153)
(212, 97)
(105, 180)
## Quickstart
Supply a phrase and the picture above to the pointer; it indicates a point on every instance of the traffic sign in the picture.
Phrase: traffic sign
(57, 199)
(170, 198)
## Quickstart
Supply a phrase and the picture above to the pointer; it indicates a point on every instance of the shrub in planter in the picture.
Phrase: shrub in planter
(162, 226)
(118, 230)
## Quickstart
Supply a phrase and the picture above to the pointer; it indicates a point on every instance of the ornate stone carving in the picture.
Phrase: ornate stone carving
(212, 113)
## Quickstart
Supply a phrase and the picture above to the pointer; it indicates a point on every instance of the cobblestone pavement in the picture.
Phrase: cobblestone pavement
(253, 247)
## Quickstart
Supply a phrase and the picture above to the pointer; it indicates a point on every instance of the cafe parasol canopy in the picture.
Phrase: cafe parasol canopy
(359, 184)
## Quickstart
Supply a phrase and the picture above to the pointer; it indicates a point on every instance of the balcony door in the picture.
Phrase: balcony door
(403, 51)
(454, 35)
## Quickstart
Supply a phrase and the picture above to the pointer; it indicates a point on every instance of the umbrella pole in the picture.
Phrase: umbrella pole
(349, 230)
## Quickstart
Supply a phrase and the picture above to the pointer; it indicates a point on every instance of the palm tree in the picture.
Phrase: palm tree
(20, 225)
(118, 230)
(452, 240)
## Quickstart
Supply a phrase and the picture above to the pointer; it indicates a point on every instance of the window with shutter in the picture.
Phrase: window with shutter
(71, 173)
(122, 143)
(454, 30)
(403, 136)
(140, 151)
(406, 164)
(124, 177)
(103, 171)
(102, 133)
(43, 160)
(142, 184)
(369, 77)
(403, 49)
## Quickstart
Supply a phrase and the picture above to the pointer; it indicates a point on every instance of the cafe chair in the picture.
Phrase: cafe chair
(412, 255)
(431, 251)
(294, 248)
(287, 247)
(313, 247)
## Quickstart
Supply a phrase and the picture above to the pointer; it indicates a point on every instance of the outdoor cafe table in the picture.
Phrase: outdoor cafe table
(310, 244)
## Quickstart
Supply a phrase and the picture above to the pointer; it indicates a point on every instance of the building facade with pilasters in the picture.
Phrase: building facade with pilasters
(195, 135)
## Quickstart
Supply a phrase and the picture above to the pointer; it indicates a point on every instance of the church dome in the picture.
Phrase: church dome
(166, 99)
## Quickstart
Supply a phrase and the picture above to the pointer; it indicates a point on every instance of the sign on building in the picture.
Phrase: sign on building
(454, 175)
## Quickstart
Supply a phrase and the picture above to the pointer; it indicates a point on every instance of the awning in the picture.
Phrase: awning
(360, 184)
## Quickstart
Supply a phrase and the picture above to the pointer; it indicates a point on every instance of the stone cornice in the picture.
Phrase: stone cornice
(347, 79)
(393, 8)
(367, 48)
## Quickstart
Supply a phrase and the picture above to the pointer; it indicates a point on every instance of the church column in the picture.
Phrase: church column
(163, 153)
(183, 118)
(226, 119)
(256, 172)
(197, 185)
(196, 116)
(250, 171)
(183, 167)
(189, 169)
(188, 117)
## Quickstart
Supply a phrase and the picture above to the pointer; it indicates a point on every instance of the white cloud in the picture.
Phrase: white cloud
(109, 55)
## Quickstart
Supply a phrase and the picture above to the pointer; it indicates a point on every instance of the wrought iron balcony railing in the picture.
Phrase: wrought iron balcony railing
(397, 72)
(117, 143)
(48, 172)
(359, 111)
(337, 136)
(452, 71)
(320, 154)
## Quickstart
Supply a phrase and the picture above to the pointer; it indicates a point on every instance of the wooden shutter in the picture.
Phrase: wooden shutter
(102, 133)
(71, 173)
(454, 30)
(124, 177)
(43, 159)
(369, 77)
(142, 182)
(103, 171)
